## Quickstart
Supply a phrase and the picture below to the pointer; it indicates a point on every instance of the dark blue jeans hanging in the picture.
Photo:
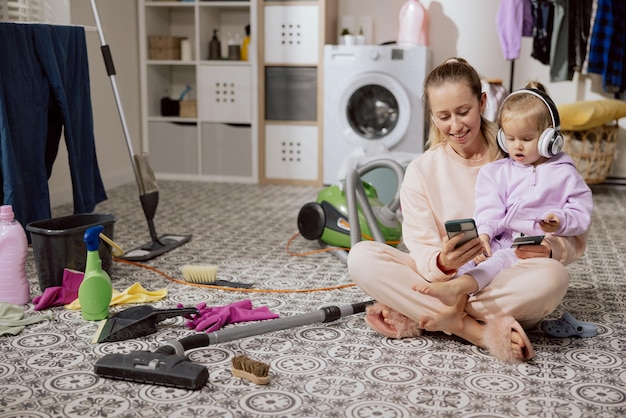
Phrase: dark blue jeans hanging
(45, 90)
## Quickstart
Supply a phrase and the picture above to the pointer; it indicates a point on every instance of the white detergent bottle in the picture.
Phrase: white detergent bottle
(413, 29)
(14, 286)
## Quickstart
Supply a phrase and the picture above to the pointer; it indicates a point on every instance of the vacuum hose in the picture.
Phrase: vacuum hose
(326, 314)
(355, 193)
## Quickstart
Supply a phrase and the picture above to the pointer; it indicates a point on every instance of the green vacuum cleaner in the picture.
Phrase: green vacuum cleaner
(349, 212)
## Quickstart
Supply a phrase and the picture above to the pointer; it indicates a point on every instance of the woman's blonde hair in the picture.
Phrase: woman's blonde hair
(458, 70)
(527, 107)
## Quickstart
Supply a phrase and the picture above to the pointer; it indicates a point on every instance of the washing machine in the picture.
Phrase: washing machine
(372, 108)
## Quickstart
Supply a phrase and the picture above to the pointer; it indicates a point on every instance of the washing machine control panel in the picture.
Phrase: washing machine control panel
(374, 55)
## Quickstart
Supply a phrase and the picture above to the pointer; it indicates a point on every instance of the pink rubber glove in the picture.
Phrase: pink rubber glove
(213, 318)
(60, 295)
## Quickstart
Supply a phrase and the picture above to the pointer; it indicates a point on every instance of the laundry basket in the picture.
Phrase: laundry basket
(593, 150)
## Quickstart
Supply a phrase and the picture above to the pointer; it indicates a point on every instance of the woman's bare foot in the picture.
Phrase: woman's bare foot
(390, 323)
(506, 340)
(518, 347)
(449, 321)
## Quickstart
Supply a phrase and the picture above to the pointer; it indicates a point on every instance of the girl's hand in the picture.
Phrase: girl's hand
(485, 242)
(551, 223)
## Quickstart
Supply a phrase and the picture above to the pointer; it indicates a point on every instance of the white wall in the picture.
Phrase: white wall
(457, 28)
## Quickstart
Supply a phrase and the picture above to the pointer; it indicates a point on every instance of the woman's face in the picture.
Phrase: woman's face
(456, 112)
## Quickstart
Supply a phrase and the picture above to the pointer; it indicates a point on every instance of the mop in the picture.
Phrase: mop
(148, 190)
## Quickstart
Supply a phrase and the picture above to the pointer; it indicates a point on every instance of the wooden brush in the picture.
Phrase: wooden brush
(199, 273)
(252, 370)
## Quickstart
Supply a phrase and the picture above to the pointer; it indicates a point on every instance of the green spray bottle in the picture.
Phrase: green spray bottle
(95, 292)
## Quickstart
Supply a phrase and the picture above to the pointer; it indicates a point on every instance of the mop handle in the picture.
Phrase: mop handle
(326, 314)
(110, 67)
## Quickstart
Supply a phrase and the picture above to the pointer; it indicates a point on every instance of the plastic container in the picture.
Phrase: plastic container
(413, 28)
(14, 286)
(95, 291)
(58, 243)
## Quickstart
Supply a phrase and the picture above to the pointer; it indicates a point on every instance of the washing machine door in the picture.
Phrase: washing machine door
(374, 110)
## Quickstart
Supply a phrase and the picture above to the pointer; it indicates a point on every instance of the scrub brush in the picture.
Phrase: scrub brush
(207, 274)
(204, 274)
(252, 370)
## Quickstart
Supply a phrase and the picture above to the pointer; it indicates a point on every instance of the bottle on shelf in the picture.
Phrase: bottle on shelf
(245, 44)
(14, 286)
(215, 47)
(234, 47)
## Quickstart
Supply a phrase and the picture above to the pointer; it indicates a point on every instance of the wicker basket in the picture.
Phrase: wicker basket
(592, 150)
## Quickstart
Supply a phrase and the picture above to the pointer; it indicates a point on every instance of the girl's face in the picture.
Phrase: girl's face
(456, 112)
(521, 141)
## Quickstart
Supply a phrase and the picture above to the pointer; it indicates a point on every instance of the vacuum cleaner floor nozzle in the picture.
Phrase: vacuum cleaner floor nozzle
(153, 368)
(154, 249)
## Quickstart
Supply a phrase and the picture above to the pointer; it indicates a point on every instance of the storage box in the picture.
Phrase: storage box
(593, 151)
(188, 109)
(58, 243)
(164, 47)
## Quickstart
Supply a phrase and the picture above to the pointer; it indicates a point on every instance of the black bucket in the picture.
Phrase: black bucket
(58, 244)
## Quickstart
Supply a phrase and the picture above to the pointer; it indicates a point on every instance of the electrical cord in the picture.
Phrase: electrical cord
(227, 288)
(252, 290)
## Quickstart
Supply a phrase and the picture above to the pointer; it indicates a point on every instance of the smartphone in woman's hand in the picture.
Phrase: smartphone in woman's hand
(456, 226)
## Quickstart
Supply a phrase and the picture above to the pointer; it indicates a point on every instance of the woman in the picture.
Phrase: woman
(439, 186)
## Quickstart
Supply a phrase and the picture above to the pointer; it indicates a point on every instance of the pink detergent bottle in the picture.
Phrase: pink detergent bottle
(14, 286)
(413, 24)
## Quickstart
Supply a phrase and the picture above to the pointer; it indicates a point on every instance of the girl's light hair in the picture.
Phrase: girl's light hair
(527, 107)
(458, 70)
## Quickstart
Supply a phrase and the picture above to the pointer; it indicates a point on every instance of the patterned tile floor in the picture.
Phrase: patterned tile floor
(340, 369)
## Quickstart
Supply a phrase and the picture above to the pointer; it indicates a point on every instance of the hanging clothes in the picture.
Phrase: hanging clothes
(543, 15)
(559, 43)
(607, 45)
(580, 16)
(514, 20)
(45, 90)
(594, 9)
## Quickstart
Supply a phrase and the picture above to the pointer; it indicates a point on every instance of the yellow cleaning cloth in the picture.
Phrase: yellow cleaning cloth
(134, 294)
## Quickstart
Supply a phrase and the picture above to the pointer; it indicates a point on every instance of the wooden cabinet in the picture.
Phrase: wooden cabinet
(292, 40)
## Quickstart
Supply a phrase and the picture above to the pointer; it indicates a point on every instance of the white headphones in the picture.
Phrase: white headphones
(550, 141)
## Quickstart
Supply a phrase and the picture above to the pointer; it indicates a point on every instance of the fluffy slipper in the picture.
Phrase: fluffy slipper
(401, 326)
(497, 339)
(568, 326)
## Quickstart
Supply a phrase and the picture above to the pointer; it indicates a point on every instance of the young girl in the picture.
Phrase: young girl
(536, 190)
(439, 186)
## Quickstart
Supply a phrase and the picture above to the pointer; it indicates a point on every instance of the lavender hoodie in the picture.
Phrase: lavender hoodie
(511, 198)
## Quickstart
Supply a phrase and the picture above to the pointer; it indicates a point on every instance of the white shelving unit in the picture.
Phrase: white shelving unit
(292, 36)
(220, 141)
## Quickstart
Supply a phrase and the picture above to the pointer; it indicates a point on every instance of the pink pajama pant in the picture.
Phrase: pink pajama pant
(527, 291)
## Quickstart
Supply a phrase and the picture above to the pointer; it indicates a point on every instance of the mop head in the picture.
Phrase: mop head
(154, 249)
